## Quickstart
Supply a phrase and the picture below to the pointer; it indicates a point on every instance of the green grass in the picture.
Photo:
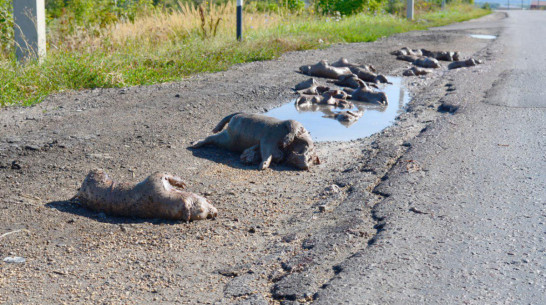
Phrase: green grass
(142, 64)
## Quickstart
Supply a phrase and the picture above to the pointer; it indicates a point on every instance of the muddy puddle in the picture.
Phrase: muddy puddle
(320, 122)
(481, 36)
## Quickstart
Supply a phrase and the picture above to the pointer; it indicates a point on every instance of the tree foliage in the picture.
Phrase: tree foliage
(346, 7)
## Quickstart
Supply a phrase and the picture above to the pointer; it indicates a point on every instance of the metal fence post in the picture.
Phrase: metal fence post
(410, 10)
(239, 20)
(29, 29)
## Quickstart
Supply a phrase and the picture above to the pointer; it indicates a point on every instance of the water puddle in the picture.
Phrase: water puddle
(480, 36)
(319, 120)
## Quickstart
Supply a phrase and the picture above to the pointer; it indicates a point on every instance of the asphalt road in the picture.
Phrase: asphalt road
(463, 219)
(446, 206)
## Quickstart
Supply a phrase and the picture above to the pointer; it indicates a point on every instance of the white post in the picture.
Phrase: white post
(29, 29)
(410, 10)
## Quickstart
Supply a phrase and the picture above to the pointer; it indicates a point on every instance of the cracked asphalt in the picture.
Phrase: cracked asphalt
(465, 223)
(445, 206)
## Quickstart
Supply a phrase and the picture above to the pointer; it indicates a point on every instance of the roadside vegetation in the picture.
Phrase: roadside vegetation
(107, 43)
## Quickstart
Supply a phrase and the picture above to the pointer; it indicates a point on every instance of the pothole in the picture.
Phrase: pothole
(321, 122)
(482, 36)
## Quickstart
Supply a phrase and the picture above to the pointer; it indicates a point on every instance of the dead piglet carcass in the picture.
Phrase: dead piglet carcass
(307, 100)
(368, 76)
(412, 55)
(367, 95)
(410, 58)
(407, 51)
(323, 69)
(158, 196)
(328, 100)
(415, 71)
(275, 140)
(315, 90)
(316, 103)
(464, 63)
(427, 62)
(322, 95)
(308, 107)
(351, 81)
(366, 73)
(304, 100)
(442, 55)
(310, 87)
(346, 118)
(343, 62)
(339, 94)
(306, 84)
(336, 98)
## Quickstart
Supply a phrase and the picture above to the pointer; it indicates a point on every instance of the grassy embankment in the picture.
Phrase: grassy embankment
(163, 47)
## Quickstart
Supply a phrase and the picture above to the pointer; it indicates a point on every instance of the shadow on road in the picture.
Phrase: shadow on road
(72, 206)
(231, 159)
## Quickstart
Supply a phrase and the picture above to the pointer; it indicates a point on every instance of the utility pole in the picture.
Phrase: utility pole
(410, 10)
(239, 20)
(29, 29)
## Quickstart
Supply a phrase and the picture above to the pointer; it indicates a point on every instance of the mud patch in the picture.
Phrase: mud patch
(320, 120)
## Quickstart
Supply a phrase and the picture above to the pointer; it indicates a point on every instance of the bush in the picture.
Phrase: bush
(92, 13)
(6, 28)
(346, 7)
(261, 6)
(274, 6)
(293, 5)
(67, 19)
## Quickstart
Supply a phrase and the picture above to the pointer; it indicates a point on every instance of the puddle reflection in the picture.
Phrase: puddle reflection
(326, 123)
(480, 36)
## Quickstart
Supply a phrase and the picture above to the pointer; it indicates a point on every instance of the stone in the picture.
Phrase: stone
(14, 260)
(240, 286)
(294, 286)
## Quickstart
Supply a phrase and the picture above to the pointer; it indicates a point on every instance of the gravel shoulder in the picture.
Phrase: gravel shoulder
(270, 242)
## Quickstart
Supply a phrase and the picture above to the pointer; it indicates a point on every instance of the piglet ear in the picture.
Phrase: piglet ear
(288, 138)
(175, 181)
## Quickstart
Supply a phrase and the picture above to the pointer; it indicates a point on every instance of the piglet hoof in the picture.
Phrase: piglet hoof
(197, 144)
(265, 164)
(251, 155)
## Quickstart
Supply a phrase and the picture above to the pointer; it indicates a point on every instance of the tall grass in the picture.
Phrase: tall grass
(163, 47)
